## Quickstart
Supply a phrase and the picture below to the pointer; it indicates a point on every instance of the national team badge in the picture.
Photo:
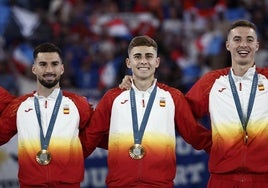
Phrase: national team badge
(66, 109)
(162, 102)
(261, 87)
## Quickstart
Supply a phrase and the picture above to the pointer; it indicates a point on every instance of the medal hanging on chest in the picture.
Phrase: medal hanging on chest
(244, 120)
(43, 157)
(137, 151)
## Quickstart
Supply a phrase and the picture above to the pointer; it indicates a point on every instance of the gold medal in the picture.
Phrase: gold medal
(136, 151)
(43, 157)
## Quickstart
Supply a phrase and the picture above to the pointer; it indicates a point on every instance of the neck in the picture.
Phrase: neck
(45, 92)
(143, 85)
(240, 70)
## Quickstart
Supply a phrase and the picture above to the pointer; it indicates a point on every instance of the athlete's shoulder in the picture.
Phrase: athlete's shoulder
(15, 104)
(263, 71)
(74, 96)
(172, 90)
(113, 92)
(217, 73)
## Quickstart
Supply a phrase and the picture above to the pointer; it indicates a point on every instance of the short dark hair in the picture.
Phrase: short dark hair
(46, 47)
(143, 40)
(242, 23)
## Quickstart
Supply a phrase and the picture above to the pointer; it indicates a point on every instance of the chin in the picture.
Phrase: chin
(244, 63)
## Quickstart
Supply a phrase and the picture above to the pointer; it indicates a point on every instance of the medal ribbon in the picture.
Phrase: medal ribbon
(45, 139)
(138, 134)
(244, 121)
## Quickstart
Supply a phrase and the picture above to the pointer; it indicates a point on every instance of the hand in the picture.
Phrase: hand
(126, 82)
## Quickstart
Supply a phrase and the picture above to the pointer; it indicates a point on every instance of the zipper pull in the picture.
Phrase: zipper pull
(142, 101)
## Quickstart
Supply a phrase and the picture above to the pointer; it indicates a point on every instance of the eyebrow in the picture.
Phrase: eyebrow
(149, 53)
(238, 36)
(54, 62)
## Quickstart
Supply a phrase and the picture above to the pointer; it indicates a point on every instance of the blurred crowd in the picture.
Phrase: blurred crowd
(94, 35)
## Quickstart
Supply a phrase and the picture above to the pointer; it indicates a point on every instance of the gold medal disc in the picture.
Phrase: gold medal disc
(136, 151)
(43, 157)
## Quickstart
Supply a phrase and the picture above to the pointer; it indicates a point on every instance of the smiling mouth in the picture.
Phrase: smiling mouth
(49, 76)
(143, 68)
(243, 53)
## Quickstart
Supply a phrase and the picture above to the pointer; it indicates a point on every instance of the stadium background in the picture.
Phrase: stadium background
(94, 34)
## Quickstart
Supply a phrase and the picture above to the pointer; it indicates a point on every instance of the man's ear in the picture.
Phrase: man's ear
(62, 69)
(157, 62)
(33, 70)
(257, 46)
(128, 63)
(227, 45)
